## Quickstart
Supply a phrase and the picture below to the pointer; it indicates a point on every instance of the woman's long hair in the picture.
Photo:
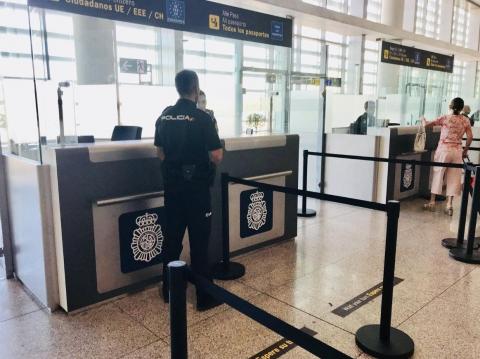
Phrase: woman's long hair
(457, 105)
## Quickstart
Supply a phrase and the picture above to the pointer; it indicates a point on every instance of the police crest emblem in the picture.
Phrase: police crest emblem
(147, 238)
(407, 176)
(257, 211)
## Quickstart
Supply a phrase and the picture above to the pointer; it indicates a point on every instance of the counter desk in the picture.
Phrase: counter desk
(376, 181)
(97, 218)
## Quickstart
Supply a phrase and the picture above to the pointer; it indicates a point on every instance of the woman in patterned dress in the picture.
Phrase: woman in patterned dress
(449, 150)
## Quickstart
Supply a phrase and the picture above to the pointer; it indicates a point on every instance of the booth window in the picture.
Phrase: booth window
(214, 60)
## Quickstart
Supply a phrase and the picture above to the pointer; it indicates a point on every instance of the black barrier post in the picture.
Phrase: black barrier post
(468, 255)
(177, 272)
(383, 341)
(459, 241)
(304, 211)
(226, 269)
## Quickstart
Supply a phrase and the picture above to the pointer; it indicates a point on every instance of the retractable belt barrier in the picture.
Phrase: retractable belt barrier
(180, 273)
(459, 250)
(305, 212)
(459, 241)
(468, 253)
(379, 340)
(326, 197)
(388, 160)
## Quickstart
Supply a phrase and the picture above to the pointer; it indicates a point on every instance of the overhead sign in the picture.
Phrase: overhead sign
(410, 56)
(133, 66)
(142, 236)
(317, 81)
(198, 16)
(333, 82)
(302, 80)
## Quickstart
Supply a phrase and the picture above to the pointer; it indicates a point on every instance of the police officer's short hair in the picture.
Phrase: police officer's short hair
(186, 82)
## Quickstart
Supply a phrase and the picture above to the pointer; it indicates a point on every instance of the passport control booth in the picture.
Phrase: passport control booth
(78, 161)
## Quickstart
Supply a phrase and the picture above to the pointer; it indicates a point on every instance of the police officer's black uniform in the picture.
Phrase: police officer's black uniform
(363, 122)
(187, 135)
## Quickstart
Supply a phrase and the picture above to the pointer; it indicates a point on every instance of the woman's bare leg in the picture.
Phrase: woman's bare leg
(449, 202)
(430, 206)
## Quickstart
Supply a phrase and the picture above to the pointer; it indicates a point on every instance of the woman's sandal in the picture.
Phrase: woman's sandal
(449, 211)
(429, 207)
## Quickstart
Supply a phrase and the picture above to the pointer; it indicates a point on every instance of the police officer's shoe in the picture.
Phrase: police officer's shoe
(207, 303)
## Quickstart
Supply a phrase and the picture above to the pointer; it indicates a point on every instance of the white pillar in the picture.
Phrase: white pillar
(94, 50)
(468, 84)
(446, 20)
(474, 28)
(355, 52)
(352, 85)
(392, 15)
(358, 8)
(409, 15)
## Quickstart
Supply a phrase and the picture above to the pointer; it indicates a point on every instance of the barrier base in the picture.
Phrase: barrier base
(307, 214)
(451, 243)
(461, 255)
(400, 345)
(229, 271)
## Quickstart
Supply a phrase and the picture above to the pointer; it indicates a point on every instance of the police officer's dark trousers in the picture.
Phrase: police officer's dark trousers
(188, 205)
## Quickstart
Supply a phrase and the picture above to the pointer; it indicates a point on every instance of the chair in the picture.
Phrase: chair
(127, 133)
(86, 139)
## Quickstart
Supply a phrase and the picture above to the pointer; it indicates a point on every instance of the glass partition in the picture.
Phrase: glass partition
(403, 96)
(88, 61)
(18, 117)
(252, 88)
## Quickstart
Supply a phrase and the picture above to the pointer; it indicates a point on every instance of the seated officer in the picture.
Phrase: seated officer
(366, 120)
(189, 147)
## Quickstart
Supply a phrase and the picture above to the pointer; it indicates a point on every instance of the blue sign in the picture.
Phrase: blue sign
(277, 30)
(198, 16)
(333, 82)
(176, 11)
(418, 58)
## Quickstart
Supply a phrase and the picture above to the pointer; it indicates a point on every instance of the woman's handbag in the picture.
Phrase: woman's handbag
(420, 139)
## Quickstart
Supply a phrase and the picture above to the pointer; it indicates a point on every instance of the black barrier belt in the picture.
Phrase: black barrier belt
(299, 192)
(282, 328)
(388, 160)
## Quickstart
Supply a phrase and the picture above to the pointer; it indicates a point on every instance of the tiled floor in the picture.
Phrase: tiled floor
(336, 256)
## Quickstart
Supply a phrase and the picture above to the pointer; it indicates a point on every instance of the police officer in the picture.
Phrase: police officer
(366, 120)
(189, 147)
